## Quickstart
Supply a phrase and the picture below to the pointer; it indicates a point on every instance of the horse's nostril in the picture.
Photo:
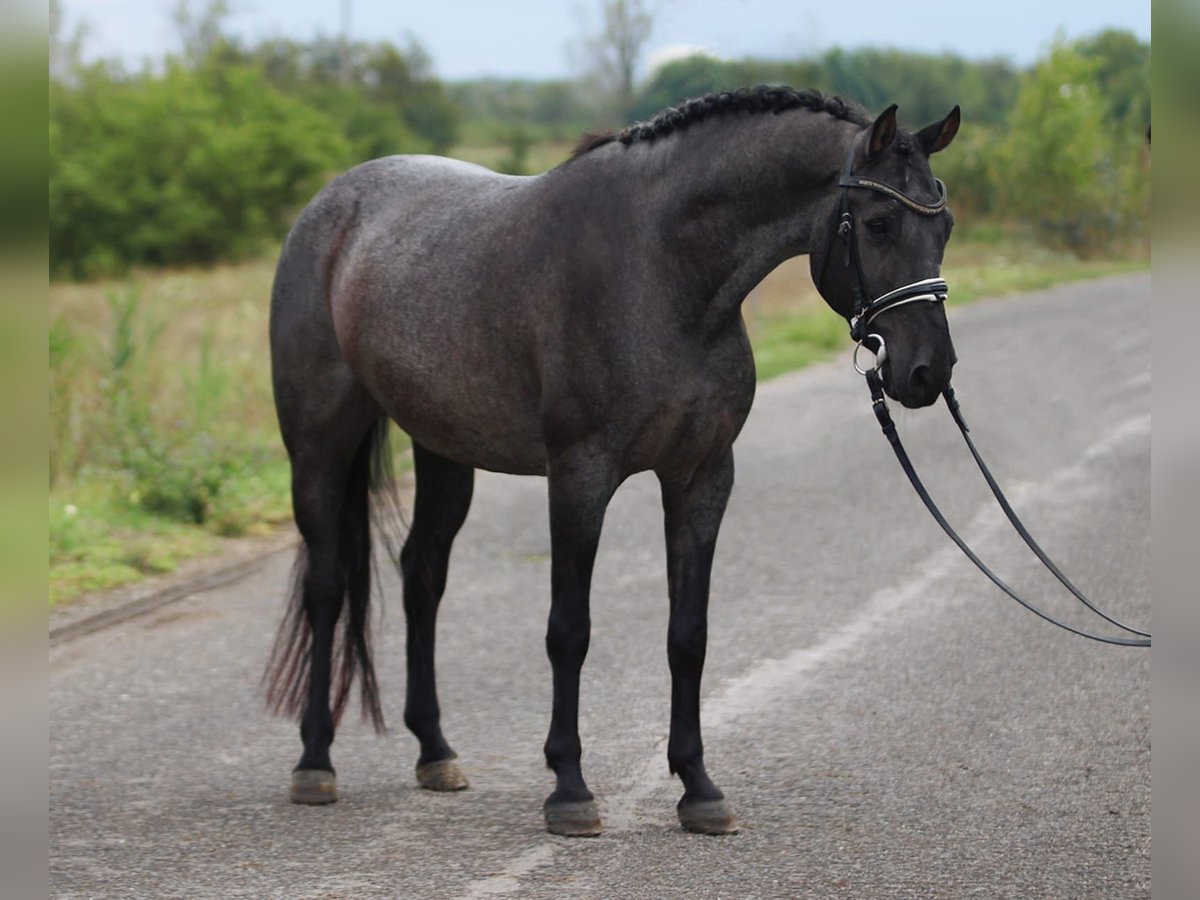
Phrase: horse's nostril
(919, 379)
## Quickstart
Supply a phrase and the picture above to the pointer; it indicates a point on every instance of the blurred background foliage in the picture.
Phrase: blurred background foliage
(207, 156)
(171, 186)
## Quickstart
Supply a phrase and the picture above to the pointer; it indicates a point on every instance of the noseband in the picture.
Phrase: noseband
(928, 289)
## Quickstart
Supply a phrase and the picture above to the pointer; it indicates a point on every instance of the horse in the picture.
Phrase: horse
(583, 324)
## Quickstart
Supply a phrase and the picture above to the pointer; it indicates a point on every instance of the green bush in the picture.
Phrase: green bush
(385, 99)
(1064, 166)
(970, 171)
(186, 166)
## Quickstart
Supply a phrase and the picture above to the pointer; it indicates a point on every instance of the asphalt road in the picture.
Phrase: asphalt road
(885, 723)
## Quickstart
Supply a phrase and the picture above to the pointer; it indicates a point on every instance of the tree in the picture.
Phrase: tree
(615, 51)
(201, 30)
(66, 46)
(1122, 71)
(1058, 167)
(924, 85)
(402, 80)
(386, 96)
(681, 79)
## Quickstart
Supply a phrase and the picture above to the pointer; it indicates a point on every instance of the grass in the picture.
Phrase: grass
(162, 427)
(99, 542)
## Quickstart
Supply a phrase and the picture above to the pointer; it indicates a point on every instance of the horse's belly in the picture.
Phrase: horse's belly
(487, 439)
(474, 417)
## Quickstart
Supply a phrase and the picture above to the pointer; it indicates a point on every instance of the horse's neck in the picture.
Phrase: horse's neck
(753, 191)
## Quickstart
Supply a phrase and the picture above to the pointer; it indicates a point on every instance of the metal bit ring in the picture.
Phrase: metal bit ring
(880, 355)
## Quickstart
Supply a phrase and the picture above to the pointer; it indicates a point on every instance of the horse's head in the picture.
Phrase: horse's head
(888, 227)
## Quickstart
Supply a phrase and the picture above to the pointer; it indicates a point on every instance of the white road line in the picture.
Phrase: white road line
(771, 681)
(508, 880)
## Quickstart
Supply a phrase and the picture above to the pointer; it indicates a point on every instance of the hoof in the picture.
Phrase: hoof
(577, 818)
(442, 775)
(313, 787)
(707, 817)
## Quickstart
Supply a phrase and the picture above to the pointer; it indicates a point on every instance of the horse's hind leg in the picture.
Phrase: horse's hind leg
(444, 491)
(331, 430)
(694, 506)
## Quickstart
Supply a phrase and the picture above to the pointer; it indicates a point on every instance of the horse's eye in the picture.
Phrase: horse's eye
(878, 226)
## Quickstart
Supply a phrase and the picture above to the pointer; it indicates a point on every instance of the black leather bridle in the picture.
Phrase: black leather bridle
(935, 290)
(865, 311)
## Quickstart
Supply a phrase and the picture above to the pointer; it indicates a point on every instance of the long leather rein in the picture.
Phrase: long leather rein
(879, 404)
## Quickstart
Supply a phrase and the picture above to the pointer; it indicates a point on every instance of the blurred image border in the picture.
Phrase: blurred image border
(1175, 475)
(23, 535)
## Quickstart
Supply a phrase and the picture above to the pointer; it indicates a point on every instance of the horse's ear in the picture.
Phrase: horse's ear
(883, 132)
(938, 136)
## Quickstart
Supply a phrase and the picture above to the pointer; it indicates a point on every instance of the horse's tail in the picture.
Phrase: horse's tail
(286, 678)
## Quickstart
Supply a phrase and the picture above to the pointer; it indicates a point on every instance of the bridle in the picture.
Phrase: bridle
(934, 290)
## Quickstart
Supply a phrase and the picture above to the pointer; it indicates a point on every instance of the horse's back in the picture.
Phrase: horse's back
(395, 188)
(396, 204)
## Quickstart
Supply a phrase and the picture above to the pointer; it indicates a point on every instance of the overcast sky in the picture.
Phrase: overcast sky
(533, 38)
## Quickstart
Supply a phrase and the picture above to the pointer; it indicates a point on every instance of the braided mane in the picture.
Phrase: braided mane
(761, 99)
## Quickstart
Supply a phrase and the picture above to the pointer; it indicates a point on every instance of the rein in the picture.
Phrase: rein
(879, 404)
(934, 290)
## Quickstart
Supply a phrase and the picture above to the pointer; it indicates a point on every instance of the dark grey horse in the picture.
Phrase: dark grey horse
(584, 324)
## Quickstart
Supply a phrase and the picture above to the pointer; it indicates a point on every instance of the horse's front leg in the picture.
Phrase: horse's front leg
(694, 505)
(581, 484)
